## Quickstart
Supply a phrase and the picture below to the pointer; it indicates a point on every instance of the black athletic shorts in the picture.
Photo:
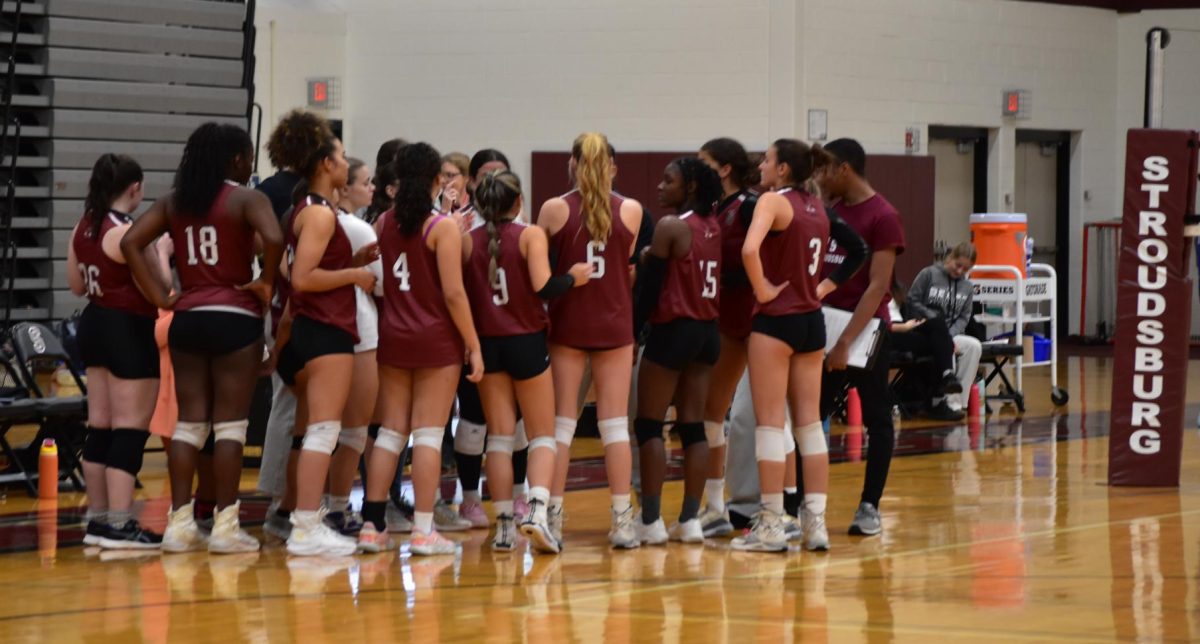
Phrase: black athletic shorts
(803, 332)
(310, 340)
(118, 341)
(520, 356)
(213, 333)
(683, 341)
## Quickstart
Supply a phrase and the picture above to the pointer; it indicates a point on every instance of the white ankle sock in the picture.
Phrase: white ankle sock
(621, 503)
(815, 502)
(773, 502)
(423, 522)
(714, 491)
(471, 497)
(503, 507)
(556, 502)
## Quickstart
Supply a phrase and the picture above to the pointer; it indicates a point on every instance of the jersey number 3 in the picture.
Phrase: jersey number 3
(814, 244)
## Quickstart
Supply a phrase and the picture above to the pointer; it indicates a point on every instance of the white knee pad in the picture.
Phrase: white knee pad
(810, 439)
(501, 444)
(789, 442)
(193, 434)
(390, 440)
(614, 430)
(564, 430)
(520, 440)
(543, 442)
(232, 430)
(430, 437)
(714, 433)
(322, 437)
(469, 438)
(354, 438)
(769, 444)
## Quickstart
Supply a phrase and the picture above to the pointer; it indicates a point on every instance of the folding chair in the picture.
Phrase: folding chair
(996, 355)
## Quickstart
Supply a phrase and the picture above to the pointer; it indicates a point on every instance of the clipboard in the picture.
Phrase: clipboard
(865, 346)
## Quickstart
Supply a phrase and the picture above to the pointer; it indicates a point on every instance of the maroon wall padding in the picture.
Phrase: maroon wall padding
(906, 181)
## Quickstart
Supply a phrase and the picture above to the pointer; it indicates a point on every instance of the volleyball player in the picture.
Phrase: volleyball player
(782, 254)
(216, 334)
(678, 294)
(507, 276)
(425, 331)
(120, 356)
(592, 224)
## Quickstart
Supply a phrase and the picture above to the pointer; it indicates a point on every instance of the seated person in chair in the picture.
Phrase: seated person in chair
(922, 336)
(943, 292)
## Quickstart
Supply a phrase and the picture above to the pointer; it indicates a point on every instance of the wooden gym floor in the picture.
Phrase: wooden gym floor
(1002, 533)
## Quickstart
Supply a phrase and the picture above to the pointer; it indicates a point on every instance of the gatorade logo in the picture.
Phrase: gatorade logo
(35, 337)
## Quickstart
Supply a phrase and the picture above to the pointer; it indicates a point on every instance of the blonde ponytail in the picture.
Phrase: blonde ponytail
(593, 178)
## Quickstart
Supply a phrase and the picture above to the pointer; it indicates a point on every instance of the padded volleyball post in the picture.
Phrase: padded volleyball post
(1154, 309)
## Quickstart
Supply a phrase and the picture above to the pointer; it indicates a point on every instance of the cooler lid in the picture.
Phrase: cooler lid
(999, 218)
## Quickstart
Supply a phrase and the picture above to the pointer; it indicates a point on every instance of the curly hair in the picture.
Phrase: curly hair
(300, 142)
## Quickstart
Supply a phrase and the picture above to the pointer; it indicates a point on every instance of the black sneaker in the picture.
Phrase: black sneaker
(131, 536)
(943, 412)
(739, 520)
(346, 523)
(950, 384)
(96, 531)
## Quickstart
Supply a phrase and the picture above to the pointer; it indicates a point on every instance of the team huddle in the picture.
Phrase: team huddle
(377, 300)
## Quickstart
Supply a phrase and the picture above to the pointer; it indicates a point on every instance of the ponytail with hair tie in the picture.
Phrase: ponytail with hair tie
(593, 177)
(112, 175)
(495, 197)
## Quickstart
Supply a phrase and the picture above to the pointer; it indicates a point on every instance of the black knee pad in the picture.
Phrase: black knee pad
(95, 445)
(647, 430)
(373, 430)
(210, 445)
(297, 442)
(690, 433)
(127, 450)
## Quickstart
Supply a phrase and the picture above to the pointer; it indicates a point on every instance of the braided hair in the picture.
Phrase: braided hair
(207, 158)
(417, 166)
(707, 183)
(495, 197)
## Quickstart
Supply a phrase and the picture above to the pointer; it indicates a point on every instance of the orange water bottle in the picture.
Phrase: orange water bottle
(48, 470)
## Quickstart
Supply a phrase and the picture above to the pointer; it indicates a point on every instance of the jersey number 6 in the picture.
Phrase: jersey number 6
(596, 259)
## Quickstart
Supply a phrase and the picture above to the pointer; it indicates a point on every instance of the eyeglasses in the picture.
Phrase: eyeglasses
(451, 176)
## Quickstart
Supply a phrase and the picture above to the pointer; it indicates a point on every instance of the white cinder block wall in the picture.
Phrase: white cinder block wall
(525, 75)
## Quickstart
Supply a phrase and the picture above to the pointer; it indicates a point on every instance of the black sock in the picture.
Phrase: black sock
(651, 508)
(520, 461)
(791, 503)
(375, 512)
(469, 468)
(691, 508)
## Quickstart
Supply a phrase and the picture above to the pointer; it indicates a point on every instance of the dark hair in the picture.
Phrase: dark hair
(387, 152)
(708, 182)
(111, 175)
(726, 151)
(484, 157)
(417, 167)
(801, 158)
(385, 175)
(495, 196)
(205, 165)
(300, 142)
(851, 153)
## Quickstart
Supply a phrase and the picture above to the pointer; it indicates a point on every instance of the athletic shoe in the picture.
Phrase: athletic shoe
(520, 507)
(537, 530)
(506, 534)
(311, 536)
(766, 534)
(689, 531)
(653, 534)
(347, 523)
(555, 518)
(715, 524)
(95, 532)
(397, 520)
(277, 526)
(472, 512)
(206, 525)
(372, 540)
(431, 544)
(130, 536)
(816, 536)
(445, 519)
(182, 535)
(623, 534)
(866, 520)
(942, 411)
(791, 527)
(950, 384)
(228, 535)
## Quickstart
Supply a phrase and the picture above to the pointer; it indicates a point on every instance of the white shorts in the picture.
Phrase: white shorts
(368, 322)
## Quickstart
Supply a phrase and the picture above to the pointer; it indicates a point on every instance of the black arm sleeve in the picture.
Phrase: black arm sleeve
(746, 210)
(556, 286)
(644, 237)
(650, 279)
(856, 249)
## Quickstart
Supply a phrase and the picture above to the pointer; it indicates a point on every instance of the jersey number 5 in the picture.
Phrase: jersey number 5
(709, 269)
(208, 245)
(594, 257)
(400, 270)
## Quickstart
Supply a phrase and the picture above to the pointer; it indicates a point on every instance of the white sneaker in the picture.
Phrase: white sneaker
(690, 531)
(396, 520)
(555, 518)
(228, 535)
(182, 535)
(431, 544)
(791, 527)
(654, 534)
(715, 524)
(311, 536)
(766, 534)
(535, 527)
(445, 519)
(623, 535)
(816, 536)
(506, 534)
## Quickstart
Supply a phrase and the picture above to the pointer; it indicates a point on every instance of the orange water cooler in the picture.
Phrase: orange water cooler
(999, 240)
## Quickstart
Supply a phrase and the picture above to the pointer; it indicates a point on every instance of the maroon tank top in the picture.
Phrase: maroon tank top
(796, 254)
(336, 307)
(599, 314)
(213, 256)
(510, 306)
(690, 288)
(109, 283)
(415, 327)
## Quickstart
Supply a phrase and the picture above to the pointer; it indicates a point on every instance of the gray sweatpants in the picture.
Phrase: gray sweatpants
(277, 444)
(741, 466)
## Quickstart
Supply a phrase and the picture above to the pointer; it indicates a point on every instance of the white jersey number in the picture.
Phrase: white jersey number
(815, 245)
(91, 277)
(594, 257)
(208, 246)
(500, 297)
(400, 270)
(709, 269)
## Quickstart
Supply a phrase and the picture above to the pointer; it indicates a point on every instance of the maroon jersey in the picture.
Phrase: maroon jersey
(690, 287)
(510, 306)
(796, 254)
(599, 314)
(415, 327)
(213, 256)
(878, 223)
(737, 298)
(109, 283)
(336, 307)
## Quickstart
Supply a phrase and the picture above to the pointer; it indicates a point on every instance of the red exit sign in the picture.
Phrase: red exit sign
(1016, 102)
(323, 93)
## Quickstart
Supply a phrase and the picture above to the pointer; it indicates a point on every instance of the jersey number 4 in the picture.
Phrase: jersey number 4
(400, 270)
(208, 245)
